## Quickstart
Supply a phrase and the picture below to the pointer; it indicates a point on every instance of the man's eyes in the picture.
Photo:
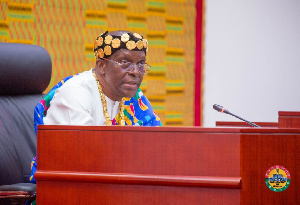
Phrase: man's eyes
(126, 62)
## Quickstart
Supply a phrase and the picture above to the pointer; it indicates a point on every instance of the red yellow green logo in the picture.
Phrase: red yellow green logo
(277, 178)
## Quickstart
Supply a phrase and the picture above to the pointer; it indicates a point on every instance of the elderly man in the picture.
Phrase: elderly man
(95, 97)
(108, 94)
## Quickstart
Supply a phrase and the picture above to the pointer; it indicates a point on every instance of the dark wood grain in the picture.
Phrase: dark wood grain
(142, 179)
(177, 154)
(164, 165)
(261, 151)
(288, 119)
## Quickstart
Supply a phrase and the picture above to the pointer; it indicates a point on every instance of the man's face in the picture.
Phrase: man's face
(122, 83)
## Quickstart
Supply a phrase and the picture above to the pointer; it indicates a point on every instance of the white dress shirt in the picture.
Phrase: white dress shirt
(78, 102)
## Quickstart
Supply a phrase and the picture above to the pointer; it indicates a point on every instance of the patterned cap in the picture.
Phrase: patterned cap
(106, 45)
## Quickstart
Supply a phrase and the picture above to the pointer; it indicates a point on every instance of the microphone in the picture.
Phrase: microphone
(220, 108)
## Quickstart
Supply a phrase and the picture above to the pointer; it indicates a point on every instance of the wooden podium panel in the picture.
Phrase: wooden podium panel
(288, 119)
(163, 165)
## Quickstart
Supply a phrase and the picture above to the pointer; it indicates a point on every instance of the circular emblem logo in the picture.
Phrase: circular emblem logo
(277, 178)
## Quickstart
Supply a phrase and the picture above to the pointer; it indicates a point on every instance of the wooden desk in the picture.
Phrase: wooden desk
(164, 165)
(287, 119)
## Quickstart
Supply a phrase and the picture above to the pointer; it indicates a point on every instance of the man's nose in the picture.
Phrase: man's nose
(134, 69)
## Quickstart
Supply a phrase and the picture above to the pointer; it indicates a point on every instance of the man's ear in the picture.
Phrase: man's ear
(100, 66)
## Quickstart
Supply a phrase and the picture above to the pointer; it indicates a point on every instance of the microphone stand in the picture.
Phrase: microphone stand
(220, 108)
(251, 123)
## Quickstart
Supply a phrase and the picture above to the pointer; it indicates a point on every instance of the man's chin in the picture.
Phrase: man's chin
(130, 94)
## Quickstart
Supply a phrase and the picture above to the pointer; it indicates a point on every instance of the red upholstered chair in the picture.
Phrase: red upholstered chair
(25, 72)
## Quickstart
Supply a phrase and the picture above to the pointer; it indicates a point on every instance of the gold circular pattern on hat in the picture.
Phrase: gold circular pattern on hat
(96, 54)
(130, 45)
(107, 50)
(100, 53)
(108, 39)
(140, 45)
(125, 37)
(137, 35)
(116, 43)
(99, 41)
(145, 43)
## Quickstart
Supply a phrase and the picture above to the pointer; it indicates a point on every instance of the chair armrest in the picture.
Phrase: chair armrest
(17, 193)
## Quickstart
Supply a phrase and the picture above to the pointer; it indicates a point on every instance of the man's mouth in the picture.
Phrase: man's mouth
(131, 85)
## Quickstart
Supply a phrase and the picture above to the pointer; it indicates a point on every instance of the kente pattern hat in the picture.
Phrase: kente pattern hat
(106, 45)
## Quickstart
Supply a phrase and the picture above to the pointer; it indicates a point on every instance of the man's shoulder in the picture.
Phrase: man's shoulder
(84, 80)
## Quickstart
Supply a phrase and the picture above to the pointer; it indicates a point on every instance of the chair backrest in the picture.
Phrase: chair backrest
(25, 72)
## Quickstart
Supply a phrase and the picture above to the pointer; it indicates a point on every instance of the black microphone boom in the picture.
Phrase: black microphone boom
(220, 108)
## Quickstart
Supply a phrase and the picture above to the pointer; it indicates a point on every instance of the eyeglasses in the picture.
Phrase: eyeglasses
(129, 67)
